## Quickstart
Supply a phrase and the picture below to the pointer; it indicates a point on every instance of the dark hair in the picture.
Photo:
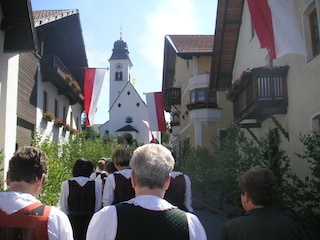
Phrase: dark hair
(260, 184)
(28, 164)
(121, 157)
(110, 168)
(82, 167)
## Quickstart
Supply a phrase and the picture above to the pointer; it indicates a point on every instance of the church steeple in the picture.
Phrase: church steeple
(120, 68)
(120, 50)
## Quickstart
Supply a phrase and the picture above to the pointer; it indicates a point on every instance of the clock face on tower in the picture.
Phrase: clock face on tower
(118, 66)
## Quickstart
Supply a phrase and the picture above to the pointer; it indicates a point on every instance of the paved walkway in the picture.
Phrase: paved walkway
(212, 222)
(211, 219)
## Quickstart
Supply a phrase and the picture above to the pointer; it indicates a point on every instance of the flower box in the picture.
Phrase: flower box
(48, 116)
(58, 122)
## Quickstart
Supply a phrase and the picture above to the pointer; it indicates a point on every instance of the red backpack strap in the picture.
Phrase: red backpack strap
(31, 220)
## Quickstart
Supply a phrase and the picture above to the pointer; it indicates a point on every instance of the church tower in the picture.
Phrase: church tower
(120, 69)
(127, 110)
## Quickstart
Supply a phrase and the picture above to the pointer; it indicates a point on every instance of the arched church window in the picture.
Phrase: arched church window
(119, 104)
(118, 76)
(128, 92)
(138, 104)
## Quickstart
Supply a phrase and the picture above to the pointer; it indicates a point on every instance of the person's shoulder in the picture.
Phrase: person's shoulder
(57, 216)
(55, 211)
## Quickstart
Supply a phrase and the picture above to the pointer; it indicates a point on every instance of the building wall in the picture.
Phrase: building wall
(303, 86)
(27, 98)
(193, 74)
(129, 104)
(8, 104)
(72, 114)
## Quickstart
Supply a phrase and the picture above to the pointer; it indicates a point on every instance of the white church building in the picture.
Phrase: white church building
(127, 110)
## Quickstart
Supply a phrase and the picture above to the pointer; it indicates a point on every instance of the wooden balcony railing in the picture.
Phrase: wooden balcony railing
(260, 93)
(54, 71)
(171, 96)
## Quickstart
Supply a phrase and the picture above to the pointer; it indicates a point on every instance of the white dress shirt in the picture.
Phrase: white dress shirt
(59, 227)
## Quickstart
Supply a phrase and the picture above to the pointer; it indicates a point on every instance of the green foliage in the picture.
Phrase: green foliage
(237, 153)
(90, 133)
(198, 165)
(234, 155)
(308, 190)
(62, 156)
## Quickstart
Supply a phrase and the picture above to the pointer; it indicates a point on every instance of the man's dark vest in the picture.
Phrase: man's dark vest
(29, 223)
(135, 222)
(81, 200)
(176, 192)
(123, 190)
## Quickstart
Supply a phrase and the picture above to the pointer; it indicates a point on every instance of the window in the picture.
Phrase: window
(314, 31)
(71, 119)
(118, 76)
(56, 108)
(64, 115)
(77, 123)
(315, 122)
(311, 29)
(129, 120)
(45, 101)
(202, 95)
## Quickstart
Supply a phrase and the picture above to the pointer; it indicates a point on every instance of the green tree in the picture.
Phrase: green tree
(62, 156)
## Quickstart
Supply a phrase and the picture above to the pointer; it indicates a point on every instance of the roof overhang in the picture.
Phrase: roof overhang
(17, 23)
(228, 23)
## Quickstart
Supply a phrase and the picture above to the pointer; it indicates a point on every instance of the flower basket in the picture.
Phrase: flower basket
(175, 123)
(48, 116)
(67, 127)
(58, 122)
(73, 82)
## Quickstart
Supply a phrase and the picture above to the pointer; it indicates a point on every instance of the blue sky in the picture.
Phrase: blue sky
(144, 25)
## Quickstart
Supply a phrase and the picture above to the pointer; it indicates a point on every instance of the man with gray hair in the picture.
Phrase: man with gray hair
(148, 215)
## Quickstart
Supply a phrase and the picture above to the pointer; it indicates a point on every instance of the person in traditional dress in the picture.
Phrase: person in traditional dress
(179, 192)
(148, 215)
(118, 186)
(22, 215)
(80, 197)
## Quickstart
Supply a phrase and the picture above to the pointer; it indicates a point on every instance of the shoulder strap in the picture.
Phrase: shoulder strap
(33, 217)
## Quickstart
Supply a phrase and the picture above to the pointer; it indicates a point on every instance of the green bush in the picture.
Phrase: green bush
(62, 156)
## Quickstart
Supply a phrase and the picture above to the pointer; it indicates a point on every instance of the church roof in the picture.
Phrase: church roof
(128, 85)
(127, 128)
(120, 50)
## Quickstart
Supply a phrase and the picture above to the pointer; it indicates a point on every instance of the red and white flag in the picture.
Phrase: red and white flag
(277, 27)
(93, 80)
(155, 108)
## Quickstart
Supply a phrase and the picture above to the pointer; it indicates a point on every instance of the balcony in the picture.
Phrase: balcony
(203, 111)
(259, 94)
(171, 96)
(54, 71)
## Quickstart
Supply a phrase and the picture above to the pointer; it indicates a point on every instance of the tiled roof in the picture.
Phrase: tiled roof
(46, 16)
(192, 43)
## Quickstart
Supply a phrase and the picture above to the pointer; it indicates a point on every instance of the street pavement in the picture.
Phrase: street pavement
(212, 223)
